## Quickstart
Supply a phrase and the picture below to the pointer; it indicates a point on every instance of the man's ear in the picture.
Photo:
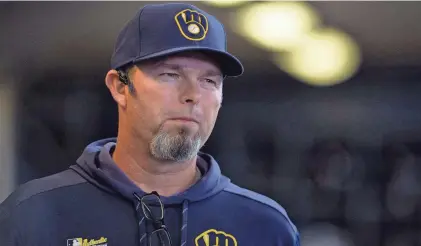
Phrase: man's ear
(116, 87)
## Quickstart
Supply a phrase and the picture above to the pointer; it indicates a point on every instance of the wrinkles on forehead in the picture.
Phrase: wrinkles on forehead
(165, 62)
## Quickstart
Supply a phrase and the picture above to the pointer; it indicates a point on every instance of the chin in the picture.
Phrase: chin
(185, 130)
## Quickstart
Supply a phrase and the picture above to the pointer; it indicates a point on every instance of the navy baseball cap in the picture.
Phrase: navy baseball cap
(159, 30)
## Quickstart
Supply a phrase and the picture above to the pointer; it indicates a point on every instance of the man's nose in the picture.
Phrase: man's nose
(191, 93)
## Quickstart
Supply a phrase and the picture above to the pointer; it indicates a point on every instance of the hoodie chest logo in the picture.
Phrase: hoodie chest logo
(87, 242)
(213, 237)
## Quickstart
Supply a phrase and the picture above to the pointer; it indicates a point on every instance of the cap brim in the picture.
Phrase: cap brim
(229, 64)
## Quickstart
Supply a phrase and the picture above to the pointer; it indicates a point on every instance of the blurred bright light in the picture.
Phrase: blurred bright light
(325, 57)
(224, 3)
(276, 26)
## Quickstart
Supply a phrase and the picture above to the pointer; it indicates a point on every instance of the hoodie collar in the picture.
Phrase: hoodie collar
(96, 165)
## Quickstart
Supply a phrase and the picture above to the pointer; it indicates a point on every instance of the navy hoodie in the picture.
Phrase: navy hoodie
(93, 203)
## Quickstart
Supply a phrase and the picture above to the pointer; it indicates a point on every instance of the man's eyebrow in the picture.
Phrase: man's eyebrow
(213, 72)
(177, 67)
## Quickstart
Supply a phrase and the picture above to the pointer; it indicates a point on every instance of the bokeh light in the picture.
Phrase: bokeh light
(325, 57)
(276, 26)
(224, 3)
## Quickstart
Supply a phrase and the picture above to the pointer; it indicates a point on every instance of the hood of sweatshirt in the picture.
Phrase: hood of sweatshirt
(98, 167)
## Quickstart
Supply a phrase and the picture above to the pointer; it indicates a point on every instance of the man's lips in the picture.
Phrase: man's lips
(187, 119)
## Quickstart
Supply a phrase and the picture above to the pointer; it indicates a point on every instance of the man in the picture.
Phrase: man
(151, 185)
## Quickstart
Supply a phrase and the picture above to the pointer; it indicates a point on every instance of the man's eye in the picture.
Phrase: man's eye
(210, 81)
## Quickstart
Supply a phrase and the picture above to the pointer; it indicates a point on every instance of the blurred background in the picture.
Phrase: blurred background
(324, 121)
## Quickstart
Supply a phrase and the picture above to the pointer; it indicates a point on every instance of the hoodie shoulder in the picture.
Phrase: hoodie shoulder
(38, 186)
(273, 209)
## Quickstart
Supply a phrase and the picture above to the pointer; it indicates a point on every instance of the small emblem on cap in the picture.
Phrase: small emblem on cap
(192, 24)
(194, 29)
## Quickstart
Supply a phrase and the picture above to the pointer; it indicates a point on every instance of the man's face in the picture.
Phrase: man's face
(175, 104)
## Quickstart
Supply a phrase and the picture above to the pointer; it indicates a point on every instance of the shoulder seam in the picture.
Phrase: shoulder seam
(256, 200)
(267, 205)
(39, 193)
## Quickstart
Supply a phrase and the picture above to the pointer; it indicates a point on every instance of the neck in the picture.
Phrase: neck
(166, 178)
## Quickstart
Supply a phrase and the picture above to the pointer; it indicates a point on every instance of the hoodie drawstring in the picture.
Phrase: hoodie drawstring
(141, 223)
(184, 225)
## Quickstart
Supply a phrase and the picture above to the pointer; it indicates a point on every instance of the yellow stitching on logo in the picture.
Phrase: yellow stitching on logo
(220, 236)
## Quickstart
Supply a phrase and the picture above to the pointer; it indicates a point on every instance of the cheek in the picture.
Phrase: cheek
(212, 108)
(138, 113)
(145, 110)
(163, 94)
(218, 102)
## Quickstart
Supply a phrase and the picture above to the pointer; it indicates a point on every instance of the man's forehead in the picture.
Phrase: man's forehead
(177, 61)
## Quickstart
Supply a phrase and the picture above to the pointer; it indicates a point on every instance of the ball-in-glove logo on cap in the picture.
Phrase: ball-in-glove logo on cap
(192, 24)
